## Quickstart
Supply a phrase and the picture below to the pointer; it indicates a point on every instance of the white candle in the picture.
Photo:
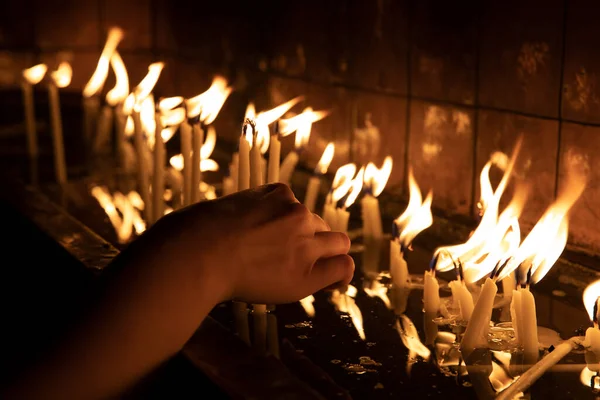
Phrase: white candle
(233, 169)
(508, 285)
(120, 125)
(287, 167)
(371, 217)
(256, 166)
(479, 324)
(158, 178)
(342, 219)
(244, 164)
(91, 109)
(462, 299)
(197, 139)
(529, 334)
(592, 345)
(274, 159)
(228, 186)
(142, 164)
(103, 130)
(60, 167)
(30, 128)
(186, 153)
(312, 191)
(431, 292)
(398, 266)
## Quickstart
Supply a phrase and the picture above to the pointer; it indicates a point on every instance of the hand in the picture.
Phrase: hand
(260, 245)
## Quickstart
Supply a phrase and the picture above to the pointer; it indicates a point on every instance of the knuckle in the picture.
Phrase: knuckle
(301, 212)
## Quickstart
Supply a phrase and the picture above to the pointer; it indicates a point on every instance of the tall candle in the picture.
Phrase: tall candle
(228, 186)
(371, 217)
(158, 178)
(462, 299)
(479, 324)
(274, 159)
(431, 292)
(244, 164)
(142, 164)
(312, 190)
(508, 285)
(516, 315)
(233, 169)
(288, 166)
(342, 220)
(197, 139)
(398, 266)
(91, 109)
(330, 216)
(31, 76)
(60, 78)
(256, 167)
(186, 153)
(529, 336)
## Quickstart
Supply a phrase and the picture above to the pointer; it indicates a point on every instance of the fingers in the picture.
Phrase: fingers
(319, 224)
(330, 271)
(330, 244)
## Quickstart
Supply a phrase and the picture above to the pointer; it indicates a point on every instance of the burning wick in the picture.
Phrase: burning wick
(461, 297)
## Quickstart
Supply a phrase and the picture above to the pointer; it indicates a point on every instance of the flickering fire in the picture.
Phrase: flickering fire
(344, 303)
(355, 188)
(499, 378)
(148, 118)
(144, 88)
(588, 376)
(169, 103)
(308, 306)
(121, 89)
(590, 297)
(122, 211)
(206, 164)
(374, 288)
(63, 74)
(417, 216)
(342, 181)
(326, 158)
(500, 160)
(302, 125)
(170, 117)
(410, 338)
(98, 78)
(35, 74)
(375, 178)
(207, 105)
(129, 103)
(129, 127)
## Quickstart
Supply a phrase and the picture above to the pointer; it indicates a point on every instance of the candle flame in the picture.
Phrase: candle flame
(344, 303)
(123, 212)
(302, 125)
(326, 159)
(500, 160)
(307, 304)
(410, 338)
(129, 103)
(342, 181)
(148, 117)
(590, 298)
(129, 127)
(586, 377)
(63, 74)
(144, 88)
(205, 165)
(499, 377)
(375, 178)
(417, 216)
(374, 288)
(35, 74)
(172, 117)
(355, 188)
(266, 118)
(167, 133)
(98, 78)
(209, 144)
(208, 104)
(169, 103)
(118, 93)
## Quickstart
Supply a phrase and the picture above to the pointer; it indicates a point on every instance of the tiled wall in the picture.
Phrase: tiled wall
(444, 83)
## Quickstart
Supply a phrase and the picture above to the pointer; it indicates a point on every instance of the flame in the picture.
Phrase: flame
(375, 288)
(63, 74)
(590, 297)
(148, 117)
(209, 144)
(144, 88)
(35, 74)
(118, 93)
(128, 206)
(302, 125)
(501, 161)
(250, 112)
(586, 377)
(205, 165)
(266, 118)
(356, 187)
(129, 103)
(417, 216)
(98, 78)
(344, 303)
(548, 238)
(167, 133)
(129, 127)
(326, 159)
(499, 377)
(307, 304)
(477, 241)
(342, 182)
(375, 178)
(208, 104)
(169, 103)
(410, 338)
(171, 117)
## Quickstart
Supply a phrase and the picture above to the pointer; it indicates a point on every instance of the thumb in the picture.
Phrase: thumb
(329, 271)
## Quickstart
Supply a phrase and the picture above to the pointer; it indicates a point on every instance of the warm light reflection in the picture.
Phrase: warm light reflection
(98, 78)
(410, 338)
(344, 303)
(590, 298)
(307, 304)
(586, 377)
(207, 105)
(167, 133)
(128, 104)
(144, 88)
(122, 211)
(499, 378)
(342, 181)
(417, 216)
(374, 288)
(35, 74)
(375, 178)
(129, 127)
(121, 89)
(355, 188)
(302, 125)
(326, 158)
(148, 118)
(63, 74)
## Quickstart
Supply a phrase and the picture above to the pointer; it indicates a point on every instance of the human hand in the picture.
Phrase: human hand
(260, 246)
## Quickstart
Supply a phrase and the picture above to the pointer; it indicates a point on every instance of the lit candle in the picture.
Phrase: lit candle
(141, 125)
(342, 184)
(158, 178)
(375, 181)
(314, 182)
(186, 152)
(343, 216)
(256, 167)
(31, 76)
(462, 299)
(274, 158)
(398, 266)
(197, 139)
(228, 186)
(591, 297)
(431, 292)
(234, 169)
(115, 98)
(61, 78)
(244, 162)
(479, 324)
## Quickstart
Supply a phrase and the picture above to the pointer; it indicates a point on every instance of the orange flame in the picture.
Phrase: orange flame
(307, 304)
(148, 118)
(342, 182)
(129, 103)
(356, 187)
(374, 288)
(417, 216)
(35, 74)
(144, 88)
(375, 178)
(63, 74)
(590, 297)
(586, 377)
(410, 338)
(302, 125)
(129, 127)
(118, 93)
(208, 104)
(128, 206)
(170, 117)
(169, 103)
(344, 303)
(326, 158)
(98, 78)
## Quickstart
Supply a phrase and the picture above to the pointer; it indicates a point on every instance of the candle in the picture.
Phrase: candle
(256, 171)
(288, 166)
(431, 292)
(244, 163)
(462, 299)
(274, 159)
(592, 335)
(115, 98)
(375, 181)
(528, 330)
(61, 78)
(342, 184)
(186, 151)
(31, 76)
(142, 164)
(259, 319)
(479, 324)
(197, 139)
(508, 285)
(330, 215)
(398, 267)
(228, 186)
(158, 178)
(343, 216)
(314, 182)
(233, 169)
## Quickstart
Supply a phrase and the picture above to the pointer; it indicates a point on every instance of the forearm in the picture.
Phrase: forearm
(145, 315)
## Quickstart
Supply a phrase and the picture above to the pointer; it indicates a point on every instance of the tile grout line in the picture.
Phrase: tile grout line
(560, 97)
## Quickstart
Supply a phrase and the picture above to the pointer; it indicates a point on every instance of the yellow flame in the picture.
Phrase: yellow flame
(209, 144)
(208, 104)
(35, 74)
(374, 288)
(128, 207)
(326, 159)
(590, 297)
(356, 187)
(98, 78)
(265, 118)
(205, 165)
(302, 125)
(586, 378)
(63, 74)
(344, 303)
(417, 216)
(129, 103)
(169, 103)
(148, 117)
(501, 161)
(167, 133)
(307, 304)
(172, 117)
(410, 338)
(499, 377)
(375, 178)
(342, 181)
(144, 88)
(129, 127)
(118, 93)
